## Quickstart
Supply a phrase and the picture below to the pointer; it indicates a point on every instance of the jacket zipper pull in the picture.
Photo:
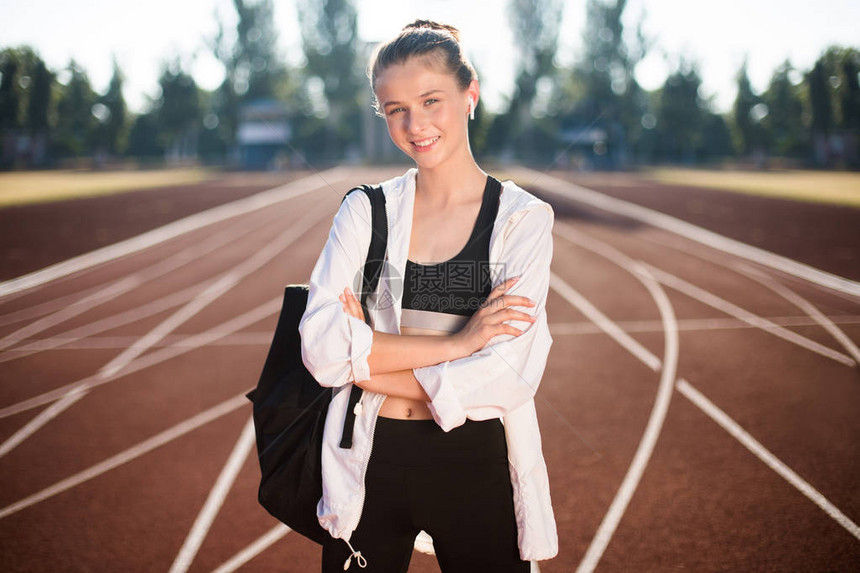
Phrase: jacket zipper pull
(359, 558)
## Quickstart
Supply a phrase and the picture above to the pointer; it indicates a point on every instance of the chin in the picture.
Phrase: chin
(427, 162)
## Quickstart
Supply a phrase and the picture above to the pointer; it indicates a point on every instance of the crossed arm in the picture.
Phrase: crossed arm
(393, 356)
(485, 370)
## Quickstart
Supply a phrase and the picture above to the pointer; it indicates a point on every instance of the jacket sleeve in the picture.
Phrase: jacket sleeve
(506, 373)
(335, 345)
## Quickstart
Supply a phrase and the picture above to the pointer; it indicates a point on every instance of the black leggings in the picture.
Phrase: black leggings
(455, 486)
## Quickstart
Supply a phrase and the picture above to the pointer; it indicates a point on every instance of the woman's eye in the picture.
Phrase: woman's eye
(394, 110)
(430, 101)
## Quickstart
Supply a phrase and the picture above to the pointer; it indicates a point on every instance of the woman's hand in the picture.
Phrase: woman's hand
(351, 305)
(491, 319)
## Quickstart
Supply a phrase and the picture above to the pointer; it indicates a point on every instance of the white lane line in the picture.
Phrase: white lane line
(819, 318)
(171, 230)
(772, 461)
(43, 418)
(570, 294)
(701, 295)
(221, 286)
(738, 433)
(556, 329)
(664, 393)
(725, 260)
(581, 194)
(260, 545)
(112, 368)
(763, 454)
(47, 307)
(171, 323)
(610, 253)
(804, 305)
(714, 301)
(215, 500)
(128, 455)
(130, 282)
(119, 342)
(198, 340)
(652, 431)
(121, 319)
(684, 324)
(112, 291)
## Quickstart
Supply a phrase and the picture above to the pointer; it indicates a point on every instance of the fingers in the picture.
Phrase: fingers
(351, 305)
(498, 298)
(516, 300)
(496, 293)
(511, 314)
(519, 315)
(502, 287)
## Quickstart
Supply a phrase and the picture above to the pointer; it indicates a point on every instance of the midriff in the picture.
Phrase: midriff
(404, 408)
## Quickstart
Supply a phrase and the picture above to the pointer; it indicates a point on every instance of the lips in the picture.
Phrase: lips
(423, 144)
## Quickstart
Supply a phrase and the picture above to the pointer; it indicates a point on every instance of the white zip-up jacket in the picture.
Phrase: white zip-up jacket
(498, 381)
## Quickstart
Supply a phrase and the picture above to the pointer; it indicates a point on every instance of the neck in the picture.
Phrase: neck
(452, 182)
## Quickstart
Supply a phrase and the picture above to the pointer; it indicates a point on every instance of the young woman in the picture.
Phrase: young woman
(446, 439)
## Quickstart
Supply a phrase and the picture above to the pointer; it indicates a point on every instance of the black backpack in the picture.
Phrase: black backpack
(290, 406)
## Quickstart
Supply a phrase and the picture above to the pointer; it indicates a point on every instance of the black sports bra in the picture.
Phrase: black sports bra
(442, 296)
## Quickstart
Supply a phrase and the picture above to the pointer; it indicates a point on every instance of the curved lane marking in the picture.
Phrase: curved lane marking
(652, 431)
(575, 192)
(819, 317)
(572, 296)
(736, 431)
(660, 408)
(769, 282)
(732, 309)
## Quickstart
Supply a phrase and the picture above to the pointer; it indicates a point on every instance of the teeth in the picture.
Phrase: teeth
(426, 142)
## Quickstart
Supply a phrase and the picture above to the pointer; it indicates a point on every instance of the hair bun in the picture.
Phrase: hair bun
(430, 24)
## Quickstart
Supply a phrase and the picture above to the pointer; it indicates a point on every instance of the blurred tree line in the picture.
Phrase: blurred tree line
(589, 114)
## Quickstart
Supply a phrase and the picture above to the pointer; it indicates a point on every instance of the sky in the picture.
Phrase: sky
(716, 35)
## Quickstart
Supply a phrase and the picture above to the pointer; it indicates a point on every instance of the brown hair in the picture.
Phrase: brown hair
(438, 42)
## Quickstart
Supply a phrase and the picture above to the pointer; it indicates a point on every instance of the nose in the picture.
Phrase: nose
(416, 122)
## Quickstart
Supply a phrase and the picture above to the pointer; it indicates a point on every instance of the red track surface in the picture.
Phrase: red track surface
(114, 476)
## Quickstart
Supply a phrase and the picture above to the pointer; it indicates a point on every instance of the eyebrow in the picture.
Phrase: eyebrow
(425, 94)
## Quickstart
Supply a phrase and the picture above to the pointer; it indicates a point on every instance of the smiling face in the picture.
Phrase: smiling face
(426, 111)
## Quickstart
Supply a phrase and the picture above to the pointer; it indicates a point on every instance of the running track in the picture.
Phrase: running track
(699, 409)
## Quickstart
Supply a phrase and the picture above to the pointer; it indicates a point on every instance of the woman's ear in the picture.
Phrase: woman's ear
(472, 93)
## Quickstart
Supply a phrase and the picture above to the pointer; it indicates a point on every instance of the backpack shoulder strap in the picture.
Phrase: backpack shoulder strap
(370, 280)
(378, 243)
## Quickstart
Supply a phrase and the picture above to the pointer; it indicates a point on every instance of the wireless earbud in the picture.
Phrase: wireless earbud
(471, 107)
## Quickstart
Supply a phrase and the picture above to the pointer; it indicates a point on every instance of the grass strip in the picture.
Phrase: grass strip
(22, 188)
(837, 188)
